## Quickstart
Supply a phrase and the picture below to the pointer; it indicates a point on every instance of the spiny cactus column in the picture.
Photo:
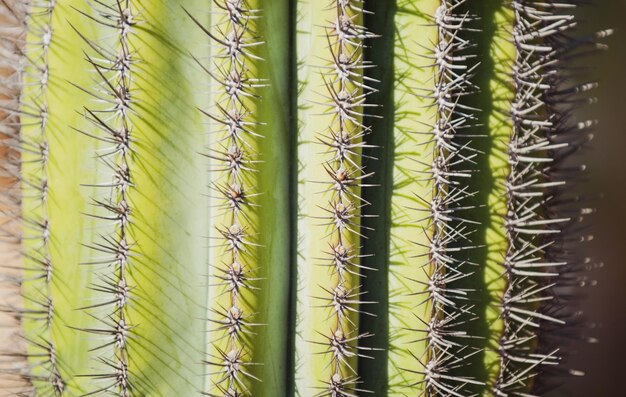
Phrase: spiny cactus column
(519, 275)
(110, 237)
(249, 238)
(151, 208)
(429, 231)
(331, 136)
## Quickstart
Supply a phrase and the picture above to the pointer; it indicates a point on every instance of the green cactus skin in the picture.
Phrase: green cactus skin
(265, 198)
(410, 229)
(167, 255)
(499, 127)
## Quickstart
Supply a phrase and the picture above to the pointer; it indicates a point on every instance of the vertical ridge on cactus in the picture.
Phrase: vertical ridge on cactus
(332, 134)
(166, 244)
(290, 197)
(52, 168)
(102, 230)
(234, 149)
(115, 69)
(247, 134)
(527, 230)
(35, 152)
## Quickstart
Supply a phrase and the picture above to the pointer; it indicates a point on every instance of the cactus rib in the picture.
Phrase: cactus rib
(539, 265)
(329, 342)
(116, 87)
(235, 156)
(447, 228)
(137, 191)
(528, 273)
(429, 231)
(524, 265)
(248, 275)
(51, 201)
(36, 228)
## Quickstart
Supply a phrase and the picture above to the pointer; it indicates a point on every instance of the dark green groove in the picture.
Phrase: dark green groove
(275, 187)
(292, 149)
(380, 52)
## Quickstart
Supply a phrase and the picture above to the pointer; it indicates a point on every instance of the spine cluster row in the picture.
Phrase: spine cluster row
(448, 230)
(113, 65)
(233, 180)
(36, 238)
(346, 92)
(528, 306)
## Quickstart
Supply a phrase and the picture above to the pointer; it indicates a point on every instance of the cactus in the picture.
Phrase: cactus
(289, 197)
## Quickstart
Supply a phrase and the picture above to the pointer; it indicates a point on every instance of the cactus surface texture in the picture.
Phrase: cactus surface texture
(282, 198)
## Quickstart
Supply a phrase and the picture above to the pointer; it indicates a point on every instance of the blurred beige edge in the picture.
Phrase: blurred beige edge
(13, 365)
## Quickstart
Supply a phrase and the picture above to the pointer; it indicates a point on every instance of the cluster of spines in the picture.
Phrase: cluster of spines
(531, 229)
(113, 124)
(233, 148)
(447, 230)
(346, 92)
(32, 109)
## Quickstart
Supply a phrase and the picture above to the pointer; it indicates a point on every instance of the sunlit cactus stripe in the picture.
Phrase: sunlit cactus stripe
(332, 103)
(249, 244)
(165, 259)
(115, 121)
(114, 66)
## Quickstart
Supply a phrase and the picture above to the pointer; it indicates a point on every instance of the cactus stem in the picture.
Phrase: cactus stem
(430, 156)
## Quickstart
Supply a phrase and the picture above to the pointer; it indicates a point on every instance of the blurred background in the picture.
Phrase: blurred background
(605, 305)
